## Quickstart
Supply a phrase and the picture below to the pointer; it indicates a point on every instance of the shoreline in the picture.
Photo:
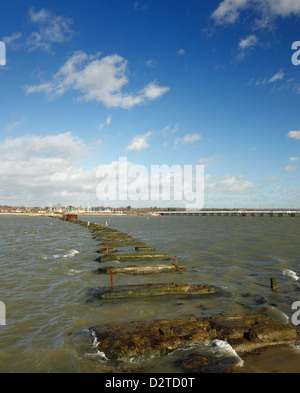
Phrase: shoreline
(61, 214)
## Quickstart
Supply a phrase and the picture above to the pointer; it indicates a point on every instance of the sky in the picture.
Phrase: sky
(90, 89)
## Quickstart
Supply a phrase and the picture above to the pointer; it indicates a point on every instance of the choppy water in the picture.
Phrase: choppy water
(48, 266)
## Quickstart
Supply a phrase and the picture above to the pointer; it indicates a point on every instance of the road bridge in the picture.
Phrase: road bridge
(243, 213)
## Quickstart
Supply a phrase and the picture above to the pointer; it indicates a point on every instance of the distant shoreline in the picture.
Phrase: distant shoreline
(61, 214)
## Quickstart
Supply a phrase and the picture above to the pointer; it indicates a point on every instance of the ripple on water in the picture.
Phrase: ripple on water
(46, 274)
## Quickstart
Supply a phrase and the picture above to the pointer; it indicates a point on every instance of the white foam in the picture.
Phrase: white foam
(290, 273)
(296, 346)
(223, 348)
(95, 344)
(71, 253)
(284, 316)
(71, 272)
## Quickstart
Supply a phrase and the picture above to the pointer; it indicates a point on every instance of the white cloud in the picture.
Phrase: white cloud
(106, 123)
(276, 189)
(208, 162)
(139, 143)
(273, 79)
(249, 41)
(152, 91)
(270, 179)
(294, 159)
(289, 168)
(52, 29)
(294, 135)
(151, 63)
(277, 77)
(188, 138)
(37, 170)
(11, 40)
(14, 125)
(170, 130)
(97, 79)
(181, 52)
(228, 184)
(247, 44)
(140, 6)
(229, 11)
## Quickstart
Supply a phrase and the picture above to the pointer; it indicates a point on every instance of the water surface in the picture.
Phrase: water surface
(48, 266)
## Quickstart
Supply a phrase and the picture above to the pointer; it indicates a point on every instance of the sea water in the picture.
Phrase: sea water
(48, 267)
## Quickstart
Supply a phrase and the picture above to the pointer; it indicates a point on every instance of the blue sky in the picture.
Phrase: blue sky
(160, 82)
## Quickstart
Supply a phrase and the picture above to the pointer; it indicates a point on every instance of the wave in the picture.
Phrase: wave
(290, 273)
(71, 253)
(223, 348)
(296, 346)
(71, 272)
(95, 344)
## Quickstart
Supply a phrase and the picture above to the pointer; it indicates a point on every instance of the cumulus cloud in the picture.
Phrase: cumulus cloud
(294, 135)
(43, 170)
(139, 143)
(40, 170)
(294, 159)
(229, 11)
(97, 79)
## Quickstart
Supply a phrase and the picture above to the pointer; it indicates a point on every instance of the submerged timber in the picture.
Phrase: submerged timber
(136, 256)
(149, 290)
(145, 339)
(143, 269)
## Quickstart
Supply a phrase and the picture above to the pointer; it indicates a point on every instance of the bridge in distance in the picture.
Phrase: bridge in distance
(243, 213)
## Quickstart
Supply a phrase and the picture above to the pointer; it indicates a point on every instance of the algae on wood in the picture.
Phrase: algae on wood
(124, 256)
(145, 248)
(148, 290)
(115, 243)
(131, 340)
(142, 269)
